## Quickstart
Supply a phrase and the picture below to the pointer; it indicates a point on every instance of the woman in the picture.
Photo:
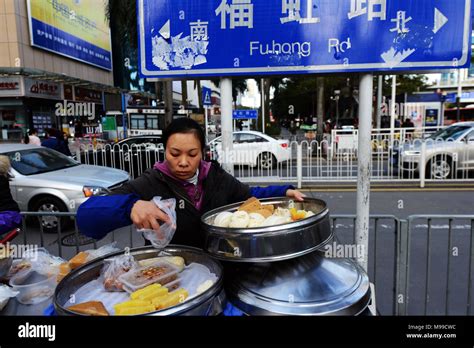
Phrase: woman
(10, 217)
(198, 187)
(32, 137)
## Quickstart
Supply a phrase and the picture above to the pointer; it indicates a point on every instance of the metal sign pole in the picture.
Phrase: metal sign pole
(458, 98)
(379, 101)
(392, 109)
(364, 156)
(263, 105)
(206, 122)
(226, 121)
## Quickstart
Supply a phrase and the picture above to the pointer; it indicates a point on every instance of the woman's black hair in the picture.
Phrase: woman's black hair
(32, 131)
(186, 126)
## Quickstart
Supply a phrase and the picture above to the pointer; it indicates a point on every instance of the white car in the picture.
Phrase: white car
(45, 180)
(253, 149)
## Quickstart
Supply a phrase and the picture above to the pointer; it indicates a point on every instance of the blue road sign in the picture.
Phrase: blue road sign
(245, 114)
(206, 96)
(182, 38)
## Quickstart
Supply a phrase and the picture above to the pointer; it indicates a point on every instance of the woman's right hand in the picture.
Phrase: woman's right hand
(145, 215)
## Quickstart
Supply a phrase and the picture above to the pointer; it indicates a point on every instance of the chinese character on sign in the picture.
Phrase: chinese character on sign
(377, 9)
(292, 9)
(199, 31)
(241, 13)
(401, 22)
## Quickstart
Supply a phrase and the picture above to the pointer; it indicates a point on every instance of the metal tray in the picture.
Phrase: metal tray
(308, 286)
(210, 302)
(272, 243)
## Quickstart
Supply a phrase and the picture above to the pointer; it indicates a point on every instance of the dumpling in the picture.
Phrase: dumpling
(256, 220)
(282, 212)
(239, 219)
(275, 220)
(223, 219)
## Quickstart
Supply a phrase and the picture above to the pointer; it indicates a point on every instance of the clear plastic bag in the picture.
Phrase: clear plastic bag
(114, 268)
(102, 251)
(162, 238)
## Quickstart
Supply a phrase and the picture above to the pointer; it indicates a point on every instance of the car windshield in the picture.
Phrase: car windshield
(40, 160)
(453, 132)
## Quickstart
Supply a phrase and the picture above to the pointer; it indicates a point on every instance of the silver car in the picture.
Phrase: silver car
(447, 151)
(45, 180)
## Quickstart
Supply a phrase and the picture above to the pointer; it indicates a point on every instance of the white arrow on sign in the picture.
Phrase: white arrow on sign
(165, 30)
(439, 20)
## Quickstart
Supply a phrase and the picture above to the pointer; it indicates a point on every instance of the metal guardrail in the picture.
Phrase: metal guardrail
(415, 270)
(313, 162)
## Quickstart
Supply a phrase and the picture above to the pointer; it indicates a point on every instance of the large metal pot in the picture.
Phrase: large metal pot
(272, 243)
(210, 302)
(308, 285)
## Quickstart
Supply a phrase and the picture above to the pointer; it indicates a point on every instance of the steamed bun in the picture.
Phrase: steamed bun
(239, 219)
(223, 219)
(256, 220)
(275, 220)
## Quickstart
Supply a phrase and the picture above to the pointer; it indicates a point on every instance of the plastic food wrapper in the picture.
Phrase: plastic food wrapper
(102, 251)
(6, 293)
(114, 268)
(42, 261)
(161, 239)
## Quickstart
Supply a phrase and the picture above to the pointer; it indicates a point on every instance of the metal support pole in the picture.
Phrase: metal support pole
(364, 156)
(263, 105)
(392, 109)
(226, 122)
(458, 97)
(379, 101)
(206, 122)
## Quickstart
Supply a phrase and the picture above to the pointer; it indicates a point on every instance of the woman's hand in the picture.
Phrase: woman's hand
(145, 215)
(295, 194)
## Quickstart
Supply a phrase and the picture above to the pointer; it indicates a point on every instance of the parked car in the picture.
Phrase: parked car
(449, 150)
(128, 154)
(45, 180)
(253, 149)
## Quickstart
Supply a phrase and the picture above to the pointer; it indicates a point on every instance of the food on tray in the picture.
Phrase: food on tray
(149, 293)
(94, 308)
(153, 297)
(204, 286)
(135, 310)
(240, 219)
(256, 220)
(64, 270)
(177, 261)
(159, 272)
(114, 268)
(19, 267)
(252, 213)
(171, 299)
(223, 219)
(78, 260)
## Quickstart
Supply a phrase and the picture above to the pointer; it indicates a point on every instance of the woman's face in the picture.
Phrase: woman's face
(183, 153)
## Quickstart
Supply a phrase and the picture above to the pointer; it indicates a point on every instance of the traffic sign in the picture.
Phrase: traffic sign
(206, 96)
(182, 38)
(244, 114)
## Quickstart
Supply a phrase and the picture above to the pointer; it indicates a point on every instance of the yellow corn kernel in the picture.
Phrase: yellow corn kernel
(171, 299)
(132, 303)
(149, 292)
(135, 310)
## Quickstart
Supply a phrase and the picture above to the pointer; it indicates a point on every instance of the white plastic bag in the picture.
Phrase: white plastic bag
(161, 239)
(6, 293)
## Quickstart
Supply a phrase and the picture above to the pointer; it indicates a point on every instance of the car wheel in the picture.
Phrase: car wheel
(267, 160)
(50, 205)
(440, 167)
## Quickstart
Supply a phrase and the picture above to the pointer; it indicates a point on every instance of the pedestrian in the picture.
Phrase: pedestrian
(197, 186)
(32, 137)
(55, 141)
(10, 217)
